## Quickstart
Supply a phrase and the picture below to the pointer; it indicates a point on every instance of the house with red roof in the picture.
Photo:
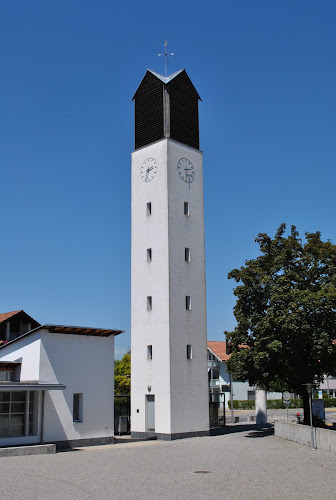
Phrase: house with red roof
(220, 382)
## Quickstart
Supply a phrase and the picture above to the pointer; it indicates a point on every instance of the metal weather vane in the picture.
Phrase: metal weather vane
(166, 55)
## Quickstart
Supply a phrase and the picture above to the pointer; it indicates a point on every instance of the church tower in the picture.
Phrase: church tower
(169, 394)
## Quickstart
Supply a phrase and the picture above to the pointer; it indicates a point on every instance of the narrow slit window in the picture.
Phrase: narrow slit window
(188, 303)
(187, 254)
(189, 351)
(149, 352)
(149, 255)
(186, 208)
(149, 303)
(149, 208)
(77, 412)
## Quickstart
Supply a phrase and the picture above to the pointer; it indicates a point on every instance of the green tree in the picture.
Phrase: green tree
(122, 375)
(286, 314)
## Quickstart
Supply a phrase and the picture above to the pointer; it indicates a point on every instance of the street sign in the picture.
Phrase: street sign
(286, 396)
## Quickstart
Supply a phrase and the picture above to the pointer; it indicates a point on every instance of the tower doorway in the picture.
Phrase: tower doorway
(150, 412)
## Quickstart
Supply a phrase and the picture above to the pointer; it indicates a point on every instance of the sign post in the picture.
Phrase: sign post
(286, 396)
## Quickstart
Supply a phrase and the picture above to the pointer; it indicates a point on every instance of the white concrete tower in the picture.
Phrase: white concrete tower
(169, 393)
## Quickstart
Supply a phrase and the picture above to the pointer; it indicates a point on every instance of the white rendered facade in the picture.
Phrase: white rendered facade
(170, 275)
(70, 364)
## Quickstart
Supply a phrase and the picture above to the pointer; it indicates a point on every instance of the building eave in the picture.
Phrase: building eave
(30, 386)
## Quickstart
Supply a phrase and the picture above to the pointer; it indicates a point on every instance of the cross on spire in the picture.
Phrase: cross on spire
(166, 55)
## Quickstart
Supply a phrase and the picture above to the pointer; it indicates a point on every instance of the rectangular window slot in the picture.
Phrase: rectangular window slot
(149, 352)
(189, 351)
(187, 254)
(149, 303)
(186, 208)
(149, 255)
(149, 208)
(77, 412)
(188, 303)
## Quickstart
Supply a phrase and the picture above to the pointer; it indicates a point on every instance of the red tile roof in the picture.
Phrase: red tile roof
(219, 349)
(5, 316)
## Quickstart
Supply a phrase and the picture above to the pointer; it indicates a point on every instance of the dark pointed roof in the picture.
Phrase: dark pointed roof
(166, 79)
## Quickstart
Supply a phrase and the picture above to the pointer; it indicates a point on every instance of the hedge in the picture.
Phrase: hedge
(272, 404)
(277, 404)
(329, 402)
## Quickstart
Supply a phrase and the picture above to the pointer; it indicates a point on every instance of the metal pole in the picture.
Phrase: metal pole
(212, 391)
(231, 399)
(311, 418)
(42, 418)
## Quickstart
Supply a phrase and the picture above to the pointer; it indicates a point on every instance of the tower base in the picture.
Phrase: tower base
(168, 437)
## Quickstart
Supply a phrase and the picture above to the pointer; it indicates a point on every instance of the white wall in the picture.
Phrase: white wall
(27, 348)
(150, 279)
(189, 378)
(179, 385)
(85, 364)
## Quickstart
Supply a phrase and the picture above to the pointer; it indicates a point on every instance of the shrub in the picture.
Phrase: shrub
(272, 404)
(329, 402)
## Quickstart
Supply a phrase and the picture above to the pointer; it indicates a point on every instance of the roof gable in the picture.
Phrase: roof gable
(218, 348)
(8, 315)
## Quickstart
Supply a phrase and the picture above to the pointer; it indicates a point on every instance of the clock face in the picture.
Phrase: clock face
(186, 170)
(148, 170)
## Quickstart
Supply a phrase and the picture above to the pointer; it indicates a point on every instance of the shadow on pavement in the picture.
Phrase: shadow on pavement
(263, 432)
(255, 430)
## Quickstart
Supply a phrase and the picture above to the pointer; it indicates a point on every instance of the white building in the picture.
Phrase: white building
(327, 387)
(220, 380)
(56, 386)
(169, 392)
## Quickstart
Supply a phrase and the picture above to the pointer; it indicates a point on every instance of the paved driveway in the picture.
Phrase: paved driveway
(249, 464)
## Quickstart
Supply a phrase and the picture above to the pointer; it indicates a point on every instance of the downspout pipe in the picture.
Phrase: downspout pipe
(42, 418)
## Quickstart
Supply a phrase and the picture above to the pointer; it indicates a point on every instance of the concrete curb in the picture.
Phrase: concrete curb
(17, 451)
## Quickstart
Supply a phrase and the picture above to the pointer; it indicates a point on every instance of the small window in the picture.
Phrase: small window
(77, 412)
(149, 352)
(189, 351)
(149, 208)
(186, 208)
(188, 302)
(187, 254)
(251, 395)
(149, 303)
(149, 255)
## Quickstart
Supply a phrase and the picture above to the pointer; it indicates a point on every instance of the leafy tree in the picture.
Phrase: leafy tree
(122, 375)
(286, 314)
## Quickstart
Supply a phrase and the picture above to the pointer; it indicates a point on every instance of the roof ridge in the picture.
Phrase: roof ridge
(166, 79)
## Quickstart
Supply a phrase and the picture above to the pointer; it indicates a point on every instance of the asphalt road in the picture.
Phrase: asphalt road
(244, 464)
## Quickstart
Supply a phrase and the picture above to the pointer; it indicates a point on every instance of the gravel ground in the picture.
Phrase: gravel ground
(249, 464)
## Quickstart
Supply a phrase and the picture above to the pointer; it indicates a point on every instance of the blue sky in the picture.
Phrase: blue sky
(266, 74)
